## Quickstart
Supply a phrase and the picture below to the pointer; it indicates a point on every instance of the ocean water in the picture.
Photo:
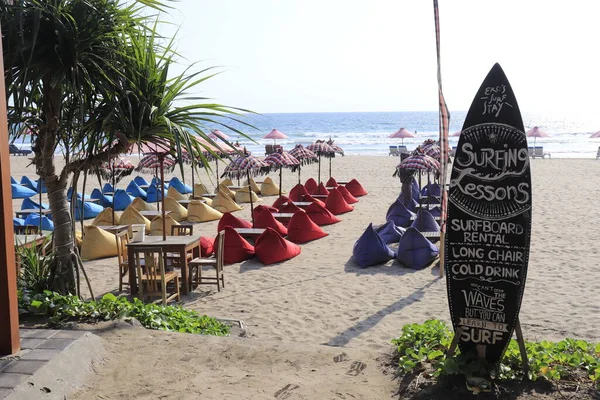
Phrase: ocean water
(366, 133)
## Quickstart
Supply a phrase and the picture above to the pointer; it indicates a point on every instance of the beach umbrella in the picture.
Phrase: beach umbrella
(535, 133)
(595, 135)
(246, 165)
(320, 148)
(115, 170)
(432, 150)
(303, 155)
(456, 134)
(402, 133)
(281, 159)
(336, 150)
(217, 134)
(275, 134)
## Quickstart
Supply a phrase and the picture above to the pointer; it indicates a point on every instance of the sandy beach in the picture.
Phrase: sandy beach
(322, 298)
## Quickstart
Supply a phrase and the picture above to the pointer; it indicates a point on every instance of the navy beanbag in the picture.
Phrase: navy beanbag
(390, 233)
(34, 219)
(410, 204)
(180, 186)
(436, 211)
(424, 222)
(30, 204)
(432, 189)
(122, 200)
(136, 191)
(370, 249)
(415, 251)
(398, 213)
(416, 190)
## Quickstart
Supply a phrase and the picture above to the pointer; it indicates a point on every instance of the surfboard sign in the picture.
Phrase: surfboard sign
(489, 221)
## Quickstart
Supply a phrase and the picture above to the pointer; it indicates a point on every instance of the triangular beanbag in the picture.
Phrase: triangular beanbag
(29, 204)
(140, 181)
(132, 216)
(153, 194)
(281, 201)
(108, 188)
(34, 219)
(79, 195)
(432, 189)
(370, 249)
(265, 219)
(424, 222)
(332, 182)
(179, 186)
(435, 211)
(416, 190)
(200, 189)
(253, 184)
(302, 229)
(411, 204)
(415, 251)
(311, 186)
(321, 189)
(90, 210)
(270, 188)
(356, 188)
(237, 249)
(231, 220)
(43, 187)
(21, 192)
(320, 215)
(398, 213)
(18, 221)
(243, 195)
(224, 203)
(156, 181)
(136, 191)
(98, 243)
(227, 182)
(347, 195)
(271, 248)
(390, 233)
(222, 187)
(261, 208)
(175, 194)
(13, 181)
(336, 203)
(105, 200)
(105, 218)
(156, 225)
(29, 183)
(207, 246)
(122, 200)
(298, 192)
(178, 212)
(308, 197)
(290, 208)
(141, 205)
(207, 200)
(202, 212)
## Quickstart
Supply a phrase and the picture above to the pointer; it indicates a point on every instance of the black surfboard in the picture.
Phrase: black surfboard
(489, 221)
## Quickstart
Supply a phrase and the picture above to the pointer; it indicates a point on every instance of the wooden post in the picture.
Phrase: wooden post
(9, 315)
(522, 349)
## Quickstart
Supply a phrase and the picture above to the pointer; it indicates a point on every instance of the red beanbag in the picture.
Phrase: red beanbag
(229, 219)
(265, 219)
(271, 248)
(302, 229)
(332, 183)
(281, 201)
(347, 195)
(321, 189)
(336, 203)
(297, 193)
(320, 215)
(308, 197)
(311, 185)
(261, 208)
(356, 188)
(207, 246)
(236, 248)
(290, 208)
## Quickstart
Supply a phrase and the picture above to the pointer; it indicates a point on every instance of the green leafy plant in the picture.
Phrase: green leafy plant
(35, 268)
(424, 347)
(62, 308)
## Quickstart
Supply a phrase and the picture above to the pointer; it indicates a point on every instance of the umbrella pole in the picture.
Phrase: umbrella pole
(299, 168)
(193, 180)
(217, 164)
(40, 190)
(319, 168)
(158, 186)
(114, 192)
(162, 199)
(330, 167)
(251, 203)
(280, 167)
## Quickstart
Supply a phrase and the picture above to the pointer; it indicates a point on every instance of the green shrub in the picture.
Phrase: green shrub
(36, 269)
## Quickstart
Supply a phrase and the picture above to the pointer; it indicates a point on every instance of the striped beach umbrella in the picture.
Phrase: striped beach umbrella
(336, 150)
(116, 169)
(152, 162)
(419, 162)
(321, 149)
(303, 155)
(281, 159)
(433, 151)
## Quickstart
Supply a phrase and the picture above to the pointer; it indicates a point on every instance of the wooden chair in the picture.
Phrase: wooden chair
(217, 262)
(182, 230)
(153, 279)
(122, 239)
(27, 230)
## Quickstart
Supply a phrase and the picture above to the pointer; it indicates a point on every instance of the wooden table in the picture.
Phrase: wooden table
(236, 187)
(436, 218)
(427, 206)
(174, 244)
(114, 229)
(29, 240)
(251, 233)
(25, 213)
(145, 187)
(432, 236)
(151, 214)
(342, 182)
(282, 216)
(302, 204)
(209, 195)
(319, 196)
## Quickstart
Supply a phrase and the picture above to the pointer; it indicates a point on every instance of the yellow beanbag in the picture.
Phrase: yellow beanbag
(132, 216)
(223, 188)
(243, 195)
(200, 189)
(201, 212)
(174, 194)
(97, 243)
(157, 225)
(141, 205)
(105, 218)
(207, 201)
(178, 212)
(255, 187)
(224, 203)
(227, 182)
(269, 188)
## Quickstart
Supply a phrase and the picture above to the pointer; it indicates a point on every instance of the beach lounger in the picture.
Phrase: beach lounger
(530, 149)
(539, 152)
(12, 149)
(393, 151)
(402, 150)
(598, 153)
(453, 151)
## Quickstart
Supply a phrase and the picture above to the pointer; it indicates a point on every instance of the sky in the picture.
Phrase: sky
(379, 55)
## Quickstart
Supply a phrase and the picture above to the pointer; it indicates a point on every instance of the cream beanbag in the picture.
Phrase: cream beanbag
(223, 188)
(224, 203)
(178, 212)
(141, 205)
(98, 243)
(106, 218)
(132, 216)
(269, 188)
(243, 195)
(174, 194)
(201, 212)
(157, 225)
(253, 184)
(200, 189)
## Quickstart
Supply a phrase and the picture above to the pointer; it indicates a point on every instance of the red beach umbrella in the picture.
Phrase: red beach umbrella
(217, 134)
(595, 135)
(535, 133)
(275, 134)
(456, 134)
(402, 133)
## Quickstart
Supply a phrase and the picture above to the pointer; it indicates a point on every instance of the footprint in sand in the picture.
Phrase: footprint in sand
(286, 391)
(356, 368)
(340, 358)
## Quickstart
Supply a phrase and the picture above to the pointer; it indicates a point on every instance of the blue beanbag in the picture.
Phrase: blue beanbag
(180, 186)
(370, 249)
(140, 181)
(13, 181)
(136, 191)
(436, 212)
(34, 219)
(29, 183)
(399, 214)
(122, 200)
(415, 251)
(153, 194)
(411, 204)
(390, 233)
(432, 189)
(105, 200)
(29, 204)
(70, 193)
(90, 210)
(156, 182)
(424, 222)
(41, 185)
(21, 192)
(108, 188)
(18, 222)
